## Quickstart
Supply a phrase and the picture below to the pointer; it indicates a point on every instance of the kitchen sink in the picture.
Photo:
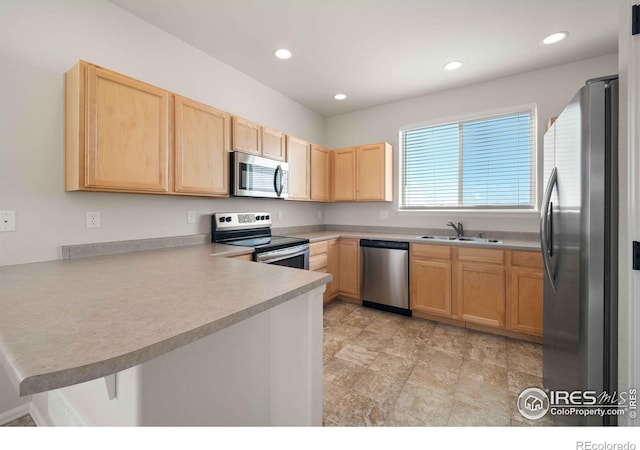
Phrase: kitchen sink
(462, 239)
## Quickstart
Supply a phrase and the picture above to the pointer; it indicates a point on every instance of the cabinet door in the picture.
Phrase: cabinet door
(333, 267)
(298, 159)
(374, 173)
(320, 186)
(526, 302)
(246, 136)
(273, 144)
(201, 149)
(431, 279)
(431, 287)
(480, 293)
(344, 174)
(127, 134)
(349, 277)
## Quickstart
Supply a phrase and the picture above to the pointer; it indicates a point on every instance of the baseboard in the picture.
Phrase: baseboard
(14, 413)
(37, 416)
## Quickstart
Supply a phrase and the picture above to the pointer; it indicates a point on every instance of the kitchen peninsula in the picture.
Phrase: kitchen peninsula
(193, 338)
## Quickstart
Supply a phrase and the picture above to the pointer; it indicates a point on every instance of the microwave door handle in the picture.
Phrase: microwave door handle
(546, 217)
(277, 181)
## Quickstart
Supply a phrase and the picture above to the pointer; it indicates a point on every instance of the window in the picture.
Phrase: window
(482, 163)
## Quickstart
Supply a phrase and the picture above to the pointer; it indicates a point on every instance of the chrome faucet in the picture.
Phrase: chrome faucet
(458, 228)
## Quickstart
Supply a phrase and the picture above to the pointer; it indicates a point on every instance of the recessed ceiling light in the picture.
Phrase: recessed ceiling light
(282, 53)
(555, 37)
(453, 65)
(339, 96)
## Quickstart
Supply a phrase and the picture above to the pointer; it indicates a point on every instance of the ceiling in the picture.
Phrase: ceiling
(379, 51)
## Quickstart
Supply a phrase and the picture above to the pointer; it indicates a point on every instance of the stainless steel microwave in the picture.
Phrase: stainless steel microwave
(255, 176)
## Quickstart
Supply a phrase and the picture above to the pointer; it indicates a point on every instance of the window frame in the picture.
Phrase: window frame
(487, 114)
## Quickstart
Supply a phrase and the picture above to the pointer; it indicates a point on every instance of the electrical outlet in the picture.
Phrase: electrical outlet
(319, 214)
(7, 221)
(279, 215)
(384, 215)
(93, 219)
(191, 217)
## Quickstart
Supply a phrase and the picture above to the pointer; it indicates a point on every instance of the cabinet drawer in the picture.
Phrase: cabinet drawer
(431, 251)
(526, 259)
(481, 255)
(317, 262)
(318, 247)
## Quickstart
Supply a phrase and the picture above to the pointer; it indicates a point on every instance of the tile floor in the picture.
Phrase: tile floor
(382, 369)
(24, 421)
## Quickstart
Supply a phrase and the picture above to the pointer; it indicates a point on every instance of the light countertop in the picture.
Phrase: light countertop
(66, 322)
(507, 244)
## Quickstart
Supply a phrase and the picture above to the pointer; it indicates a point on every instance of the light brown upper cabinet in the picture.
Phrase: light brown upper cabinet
(364, 173)
(374, 172)
(273, 144)
(253, 138)
(299, 165)
(344, 174)
(116, 132)
(117, 138)
(246, 136)
(320, 174)
(202, 144)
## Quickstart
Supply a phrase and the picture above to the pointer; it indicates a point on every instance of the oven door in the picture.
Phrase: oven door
(297, 257)
(255, 176)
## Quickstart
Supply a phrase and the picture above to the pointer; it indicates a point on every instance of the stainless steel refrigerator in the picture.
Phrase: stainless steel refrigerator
(578, 231)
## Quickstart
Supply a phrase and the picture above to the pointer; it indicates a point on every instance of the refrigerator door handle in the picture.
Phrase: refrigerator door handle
(545, 230)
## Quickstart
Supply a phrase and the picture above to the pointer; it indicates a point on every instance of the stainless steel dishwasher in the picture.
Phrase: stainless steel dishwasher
(385, 275)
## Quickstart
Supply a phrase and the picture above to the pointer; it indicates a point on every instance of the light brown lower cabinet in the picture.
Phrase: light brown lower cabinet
(349, 268)
(430, 289)
(333, 267)
(324, 257)
(492, 288)
(525, 291)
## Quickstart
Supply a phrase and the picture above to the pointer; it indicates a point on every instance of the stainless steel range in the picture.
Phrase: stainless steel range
(254, 230)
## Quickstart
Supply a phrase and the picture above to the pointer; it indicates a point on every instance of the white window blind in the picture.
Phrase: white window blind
(481, 163)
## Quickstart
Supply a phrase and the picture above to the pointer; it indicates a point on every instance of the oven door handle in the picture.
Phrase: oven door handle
(279, 255)
(277, 181)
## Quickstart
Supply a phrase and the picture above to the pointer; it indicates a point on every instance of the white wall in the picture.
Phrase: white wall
(549, 88)
(39, 41)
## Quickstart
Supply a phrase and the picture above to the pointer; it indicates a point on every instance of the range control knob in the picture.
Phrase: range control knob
(266, 217)
(227, 219)
(221, 219)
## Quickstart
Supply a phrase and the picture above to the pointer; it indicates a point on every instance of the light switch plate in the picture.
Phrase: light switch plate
(191, 217)
(7, 221)
(384, 215)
